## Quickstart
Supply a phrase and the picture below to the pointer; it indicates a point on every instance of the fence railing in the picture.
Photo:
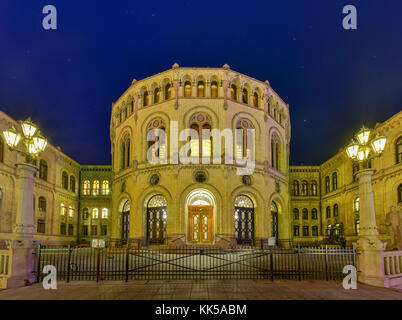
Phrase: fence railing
(127, 263)
(5, 267)
(392, 268)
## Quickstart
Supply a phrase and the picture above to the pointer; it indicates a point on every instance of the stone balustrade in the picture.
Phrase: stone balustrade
(5, 267)
(392, 268)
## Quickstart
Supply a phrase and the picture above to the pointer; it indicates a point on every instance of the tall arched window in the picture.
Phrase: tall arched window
(72, 183)
(168, 91)
(199, 122)
(187, 89)
(214, 89)
(304, 190)
(245, 140)
(86, 188)
(356, 205)
(244, 219)
(42, 204)
(233, 92)
(70, 211)
(85, 214)
(400, 193)
(336, 210)
(95, 188)
(275, 151)
(145, 99)
(305, 214)
(398, 147)
(1, 150)
(155, 152)
(256, 99)
(157, 95)
(95, 213)
(295, 188)
(334, 181)
(201, 89)
(314, 231)
(327, 184)
(64, 180)
(314, 214)
(244, 96)
(125, 151)
(63, 209)
(105, 213)
(295, 214)
(43, 170)
(105, 187)
(314, 188)
(328, 211)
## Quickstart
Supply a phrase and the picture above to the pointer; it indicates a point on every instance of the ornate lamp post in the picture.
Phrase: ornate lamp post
(363, 148)
(23, 243)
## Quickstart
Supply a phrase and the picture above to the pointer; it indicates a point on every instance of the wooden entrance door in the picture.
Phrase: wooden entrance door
(200, 224)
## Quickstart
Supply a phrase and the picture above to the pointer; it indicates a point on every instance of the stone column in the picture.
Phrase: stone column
(23, 244)
(368, 246)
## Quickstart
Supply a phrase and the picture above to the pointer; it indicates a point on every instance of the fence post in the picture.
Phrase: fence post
(98, 266)
(298, 261)
(271, 257)
(69, 263)
(326, 262)
(127, 260)
(38, 273)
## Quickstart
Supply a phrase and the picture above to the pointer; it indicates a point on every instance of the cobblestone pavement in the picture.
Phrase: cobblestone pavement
(202, 290)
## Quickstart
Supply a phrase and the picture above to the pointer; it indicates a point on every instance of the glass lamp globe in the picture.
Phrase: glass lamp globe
(12, 137)
(378, 143)
(352, 149)
(363, 135)
(29, 128)
(32, 149)
(363, 153)
(40, 143)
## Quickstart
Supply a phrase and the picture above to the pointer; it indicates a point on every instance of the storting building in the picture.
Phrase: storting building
(200, 156)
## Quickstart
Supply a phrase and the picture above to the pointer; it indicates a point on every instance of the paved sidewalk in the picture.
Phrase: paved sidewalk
(202, 290)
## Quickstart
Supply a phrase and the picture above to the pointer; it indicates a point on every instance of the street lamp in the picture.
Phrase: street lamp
(23, 242)
(362, 148)
(34, 141)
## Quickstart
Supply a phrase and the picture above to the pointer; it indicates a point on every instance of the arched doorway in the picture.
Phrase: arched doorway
(156, 219)
(244, 219)
(125, 224)
(274, 221)
(200, 207)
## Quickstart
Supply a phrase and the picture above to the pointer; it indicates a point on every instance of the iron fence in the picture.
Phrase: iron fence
(127, 263)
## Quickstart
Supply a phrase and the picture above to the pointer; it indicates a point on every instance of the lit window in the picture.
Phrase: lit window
(168, 91)
(105, 213)
(71, 211)
(187, 89)
(86, 190)
(356, 205)
(214, 89)
(233, 92)
(157, 95)
(304, 189)
(327, 185)
(105, 187)
(95, 213)
(95, 187)
(357, 226)
(201, 89)
(314, 188)
(62, 209)
(295, 188)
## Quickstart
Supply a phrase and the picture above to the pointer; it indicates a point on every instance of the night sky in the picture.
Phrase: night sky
(334, 79)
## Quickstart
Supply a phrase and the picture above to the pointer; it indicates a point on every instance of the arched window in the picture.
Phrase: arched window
(314, 231)
(244, 96)
(145, 99)
(275, 151)
(125, 152)
(356, 205)
(63, 209)
(95, 188)
(295, 214)
(304, 189)
(245, 140)
(105, 213)
(314, 188)
(314, 214)
(72, 183)
(305, 214)
(356, 168)
(233, 92)
(70, 211)
(95, 213)
(64, 180)
(201, 89)
(105, 187)
(168, 91)
(199, 122)
(334, 181)
(187, 89)
(400, 193)
(336, 211)
(42, 204)
(153, 151)
(157, 216)
(357, 226)
(244, 219)
(43, 170)
(327, 184)
(157, 95)
(256, 100)
(214, 89)
(328, 211)
(398, 149)
(1, 150)
(295, 188)
(86, 188)
(85, 214)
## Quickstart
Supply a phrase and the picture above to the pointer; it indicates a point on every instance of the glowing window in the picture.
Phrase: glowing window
(187, 89)
(105, 187)
(214, 89)
(95, 188)
(86, 190)
(62, 209)
(95, 213)
(105, 213)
